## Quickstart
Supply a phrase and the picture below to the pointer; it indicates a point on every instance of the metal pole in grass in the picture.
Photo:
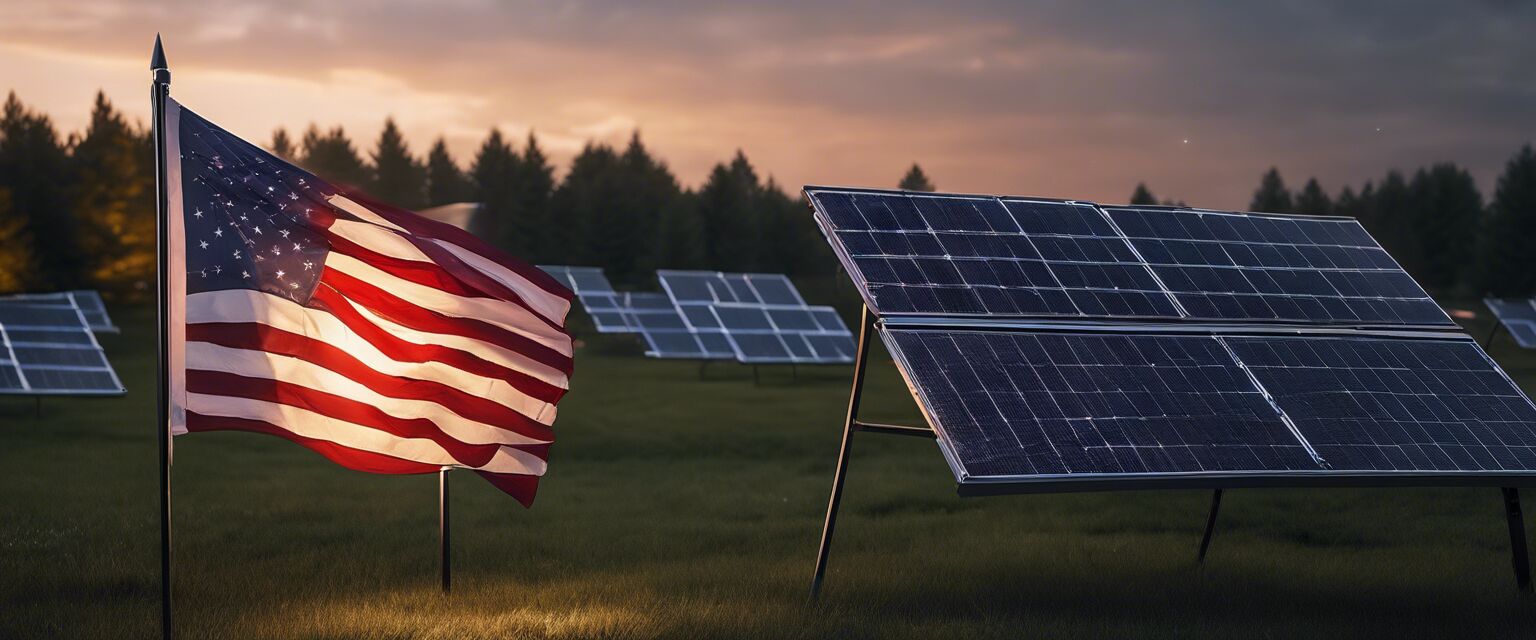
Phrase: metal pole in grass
(160, 89)
(442, 527)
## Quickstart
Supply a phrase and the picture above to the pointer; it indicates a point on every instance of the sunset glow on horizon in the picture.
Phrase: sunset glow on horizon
(987, 97)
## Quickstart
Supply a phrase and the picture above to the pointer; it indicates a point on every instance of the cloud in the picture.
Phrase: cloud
(1053, 98)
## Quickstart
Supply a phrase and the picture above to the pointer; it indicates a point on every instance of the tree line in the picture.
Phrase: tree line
(1433, 221)
(78, 210)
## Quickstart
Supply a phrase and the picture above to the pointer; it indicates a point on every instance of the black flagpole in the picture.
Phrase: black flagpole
(159, 90)
(442, 527)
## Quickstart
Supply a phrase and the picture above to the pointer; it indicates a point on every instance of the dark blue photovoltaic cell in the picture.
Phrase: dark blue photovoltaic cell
(965, 255)
(758, 318)
(1518, 317)
(1396, 405)
(1028, 404)
(1253, 267)
(46, 347)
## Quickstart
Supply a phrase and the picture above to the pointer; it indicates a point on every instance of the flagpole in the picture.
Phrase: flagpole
(442, 527)
(159, 90)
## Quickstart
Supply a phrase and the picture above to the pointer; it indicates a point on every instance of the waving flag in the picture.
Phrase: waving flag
(386, 342)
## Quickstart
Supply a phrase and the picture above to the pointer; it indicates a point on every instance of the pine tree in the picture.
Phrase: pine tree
(282, 145)
(446, 183)
(34, 168)
(1444, 214)
(492, 177)
(1313, 200)
(582, 220)
(398, 178)
(1508, 266)
(113, 202)
(1389, 218)
(728, 210)
(17, 266)
(1142, 195)
(531, 193)
(678, 243)
(332, 156)
(1272, 196)
(915, 180)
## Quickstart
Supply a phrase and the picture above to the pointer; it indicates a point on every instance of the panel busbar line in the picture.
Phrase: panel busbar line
(49, 349)
(761, 318)
(923, 254)
(1028, 406)
(1518, 317)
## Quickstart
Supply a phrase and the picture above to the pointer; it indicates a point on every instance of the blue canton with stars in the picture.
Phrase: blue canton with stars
(252, 220)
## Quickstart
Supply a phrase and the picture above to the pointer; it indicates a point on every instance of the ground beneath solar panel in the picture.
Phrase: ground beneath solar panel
(680, 507)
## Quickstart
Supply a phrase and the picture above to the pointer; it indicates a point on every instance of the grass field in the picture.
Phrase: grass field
(684, 508)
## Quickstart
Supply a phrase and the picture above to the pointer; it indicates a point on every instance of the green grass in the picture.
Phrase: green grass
(684, 508)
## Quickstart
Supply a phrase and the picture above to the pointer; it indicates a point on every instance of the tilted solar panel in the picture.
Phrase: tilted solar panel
(760, 317)
(89, 302)
(596, 294)
(1025, 406)
(49, 349)
(983, 256)
(1518, 317)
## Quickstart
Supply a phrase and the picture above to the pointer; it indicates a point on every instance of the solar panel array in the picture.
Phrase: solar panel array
(1055, 341)
(596, 295)
(48, 349)
(89, 302)
(943, 255)
(761, 317)
(1518, 317)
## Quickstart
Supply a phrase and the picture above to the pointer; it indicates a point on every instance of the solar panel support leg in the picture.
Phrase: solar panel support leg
(866, 327)
(39, 407)
(1517, 549)
(1493, 333)
(1210, 526)
(755, 380)
(702, 365)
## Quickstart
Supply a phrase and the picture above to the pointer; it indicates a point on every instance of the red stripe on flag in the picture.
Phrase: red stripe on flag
(345, 456)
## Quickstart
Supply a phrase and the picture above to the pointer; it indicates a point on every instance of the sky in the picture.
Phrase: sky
(1060, 99)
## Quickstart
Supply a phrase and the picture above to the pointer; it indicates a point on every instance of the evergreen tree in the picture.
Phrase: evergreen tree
(332, 156)
(398, 178)
(1389, 219)
(17, 266)
(531, 192)
(1445, 211)
(1142, 195)
(1313, 200)
(1272, 196)
(728, 213)
(282, 145)
(33, 168)
(446, 183)
(786, 235)
(915, 180)
(113, 201)
(583, 222)
(1508, 267)
(678, 241)
(493, 176)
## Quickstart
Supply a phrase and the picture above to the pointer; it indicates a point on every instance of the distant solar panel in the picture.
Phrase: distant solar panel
(597, 296)
(50, 350)
(985, 256)
(1518, 317)
(89, 302)
(760, 318)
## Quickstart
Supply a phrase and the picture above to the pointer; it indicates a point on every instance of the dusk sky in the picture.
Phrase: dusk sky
(1059, 99)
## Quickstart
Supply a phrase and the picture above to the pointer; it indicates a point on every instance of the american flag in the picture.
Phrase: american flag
(384, 341)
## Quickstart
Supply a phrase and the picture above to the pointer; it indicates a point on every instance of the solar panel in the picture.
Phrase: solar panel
(759, 318)
(89, 303)
(49, 349)
(985, 256)
(1028, 406)
(597, 296)
(1518, 317)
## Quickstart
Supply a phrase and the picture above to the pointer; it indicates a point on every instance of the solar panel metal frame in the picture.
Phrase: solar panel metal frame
(90, 345)
(1523, 330)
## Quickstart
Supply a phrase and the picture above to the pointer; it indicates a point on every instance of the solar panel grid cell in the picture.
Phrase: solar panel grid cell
(1518, 317)
(50, 349)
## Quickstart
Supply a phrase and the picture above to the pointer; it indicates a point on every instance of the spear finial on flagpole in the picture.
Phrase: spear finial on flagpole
(159, 91)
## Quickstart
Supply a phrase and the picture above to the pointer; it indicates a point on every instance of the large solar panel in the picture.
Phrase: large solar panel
(760, 318)
(1518, 317)
(89, 303)
(1031, 406)
(48, 349)
(661, 326)
(1050, 342)
(985, 256)
(596, 294)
